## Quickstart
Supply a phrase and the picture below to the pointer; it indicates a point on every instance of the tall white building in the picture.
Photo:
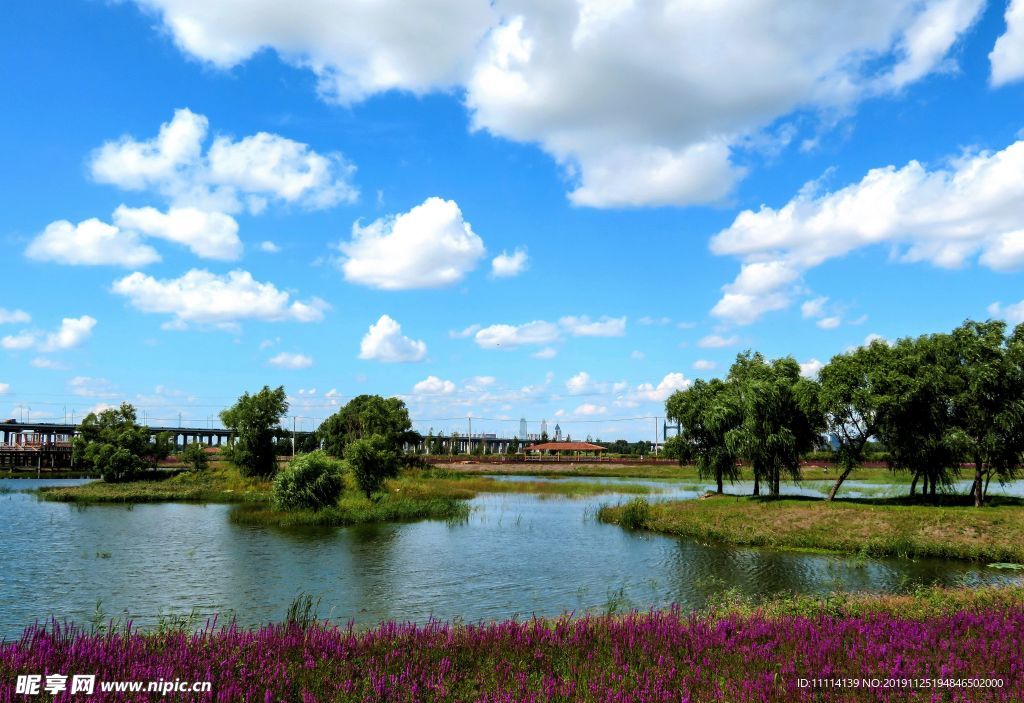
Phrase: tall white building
(558, 433)
(543, 427)
(522, 428)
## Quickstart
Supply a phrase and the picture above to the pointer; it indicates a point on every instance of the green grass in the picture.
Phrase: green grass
(221, 483)
(354, 509)
(872, 528)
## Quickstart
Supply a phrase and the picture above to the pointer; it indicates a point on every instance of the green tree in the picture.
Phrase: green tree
(707, 412)
(849, 398)
(988, 399)
(113, 443)
(367, 415)
(195, 456)
(781, 417)
(163, 446)
(372, 460)
(513, 446)
(254, 421)
(916, 420)
(311, 481)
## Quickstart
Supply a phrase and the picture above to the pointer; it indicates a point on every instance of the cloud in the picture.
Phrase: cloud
(354, 50)
(644, 103)
(269, 247)
(590, 409)
(432, 385)
(4, 388)
(510, 336)
(641, 103)
(88, 387)
(1013, 313)
(813, 308)
(829, 323)
(583, 326)
(90, 243)
(810, 368)
(10, 317)
(546, 353)
(286, 360)
(704, 365)
(428, 247)
(716, 341)
(464, 333)
(210, 235)
(647, 321)
(72, 332)
(42, 362)
(384, 342)
(252, 169)
(1007, 55)
(668, 385)
(200, 297)
(582, 383)
(637, 355)
(506, 265)
(944, 216)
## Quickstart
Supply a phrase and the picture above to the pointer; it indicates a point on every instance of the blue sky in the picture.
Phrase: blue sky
(202, 197)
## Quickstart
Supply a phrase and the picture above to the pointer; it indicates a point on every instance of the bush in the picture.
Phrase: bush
(635, 514)
(195, 456)
(372, 460)
(310, 482)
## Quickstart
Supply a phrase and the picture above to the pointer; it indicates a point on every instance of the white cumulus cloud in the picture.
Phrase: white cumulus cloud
(288, 360)
(432, 385)
(717, 341)
(90, 243)
(944, 216)
(210, 235)
(428, 247)
(1007, 55)
(204, 298)
(8, 317)
(506, 265)
(384, 342)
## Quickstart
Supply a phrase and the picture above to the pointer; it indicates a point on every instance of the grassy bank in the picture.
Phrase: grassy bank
(870, 528)
(822, 474)
(220, 483)
(725, 654)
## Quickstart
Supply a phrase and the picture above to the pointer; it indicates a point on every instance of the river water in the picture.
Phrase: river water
(516, 555)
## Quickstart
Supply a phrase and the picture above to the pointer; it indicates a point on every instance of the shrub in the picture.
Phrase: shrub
(195, 456)
(372, 460)
(310, 482)
(635, 514)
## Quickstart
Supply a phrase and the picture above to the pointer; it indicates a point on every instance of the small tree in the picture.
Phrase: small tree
(195, 456)
(310, 482)
(367, 415)
(513, 446)
(254, 420)
(113, 444)
(163, 446)
(372, 460)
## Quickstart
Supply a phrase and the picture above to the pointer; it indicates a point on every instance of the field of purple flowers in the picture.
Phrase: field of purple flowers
(656, 656)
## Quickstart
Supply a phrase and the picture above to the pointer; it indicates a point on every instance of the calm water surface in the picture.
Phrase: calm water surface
(516, 555)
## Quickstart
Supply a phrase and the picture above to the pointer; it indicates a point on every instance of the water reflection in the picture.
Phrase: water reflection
(515, 555)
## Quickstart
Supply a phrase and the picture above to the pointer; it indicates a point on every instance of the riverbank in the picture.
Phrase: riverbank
(759, 655)
(876, 528)
(673, 472)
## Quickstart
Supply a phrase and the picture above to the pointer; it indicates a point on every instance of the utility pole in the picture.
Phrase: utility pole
(470, 446)
(179, 419)
(293, 436)
(655, 437)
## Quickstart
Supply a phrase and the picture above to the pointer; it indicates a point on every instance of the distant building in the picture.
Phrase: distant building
(522, 429)
(558, 433)
(543, 427)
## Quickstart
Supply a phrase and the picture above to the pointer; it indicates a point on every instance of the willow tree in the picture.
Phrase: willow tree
(849, 397)
(364, 416)
(988, 398)
(706, 412)
(781, 419)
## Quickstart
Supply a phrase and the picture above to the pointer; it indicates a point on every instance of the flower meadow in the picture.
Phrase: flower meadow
(664, 655)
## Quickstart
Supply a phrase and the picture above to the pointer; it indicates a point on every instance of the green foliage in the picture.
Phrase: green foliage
(635, 514)
(254, 420)
(367, 415)
(113, 444)
(707, 412)
(163, 446)
(372, 459)
(195, 456)
(513, 446)
(310, 482)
